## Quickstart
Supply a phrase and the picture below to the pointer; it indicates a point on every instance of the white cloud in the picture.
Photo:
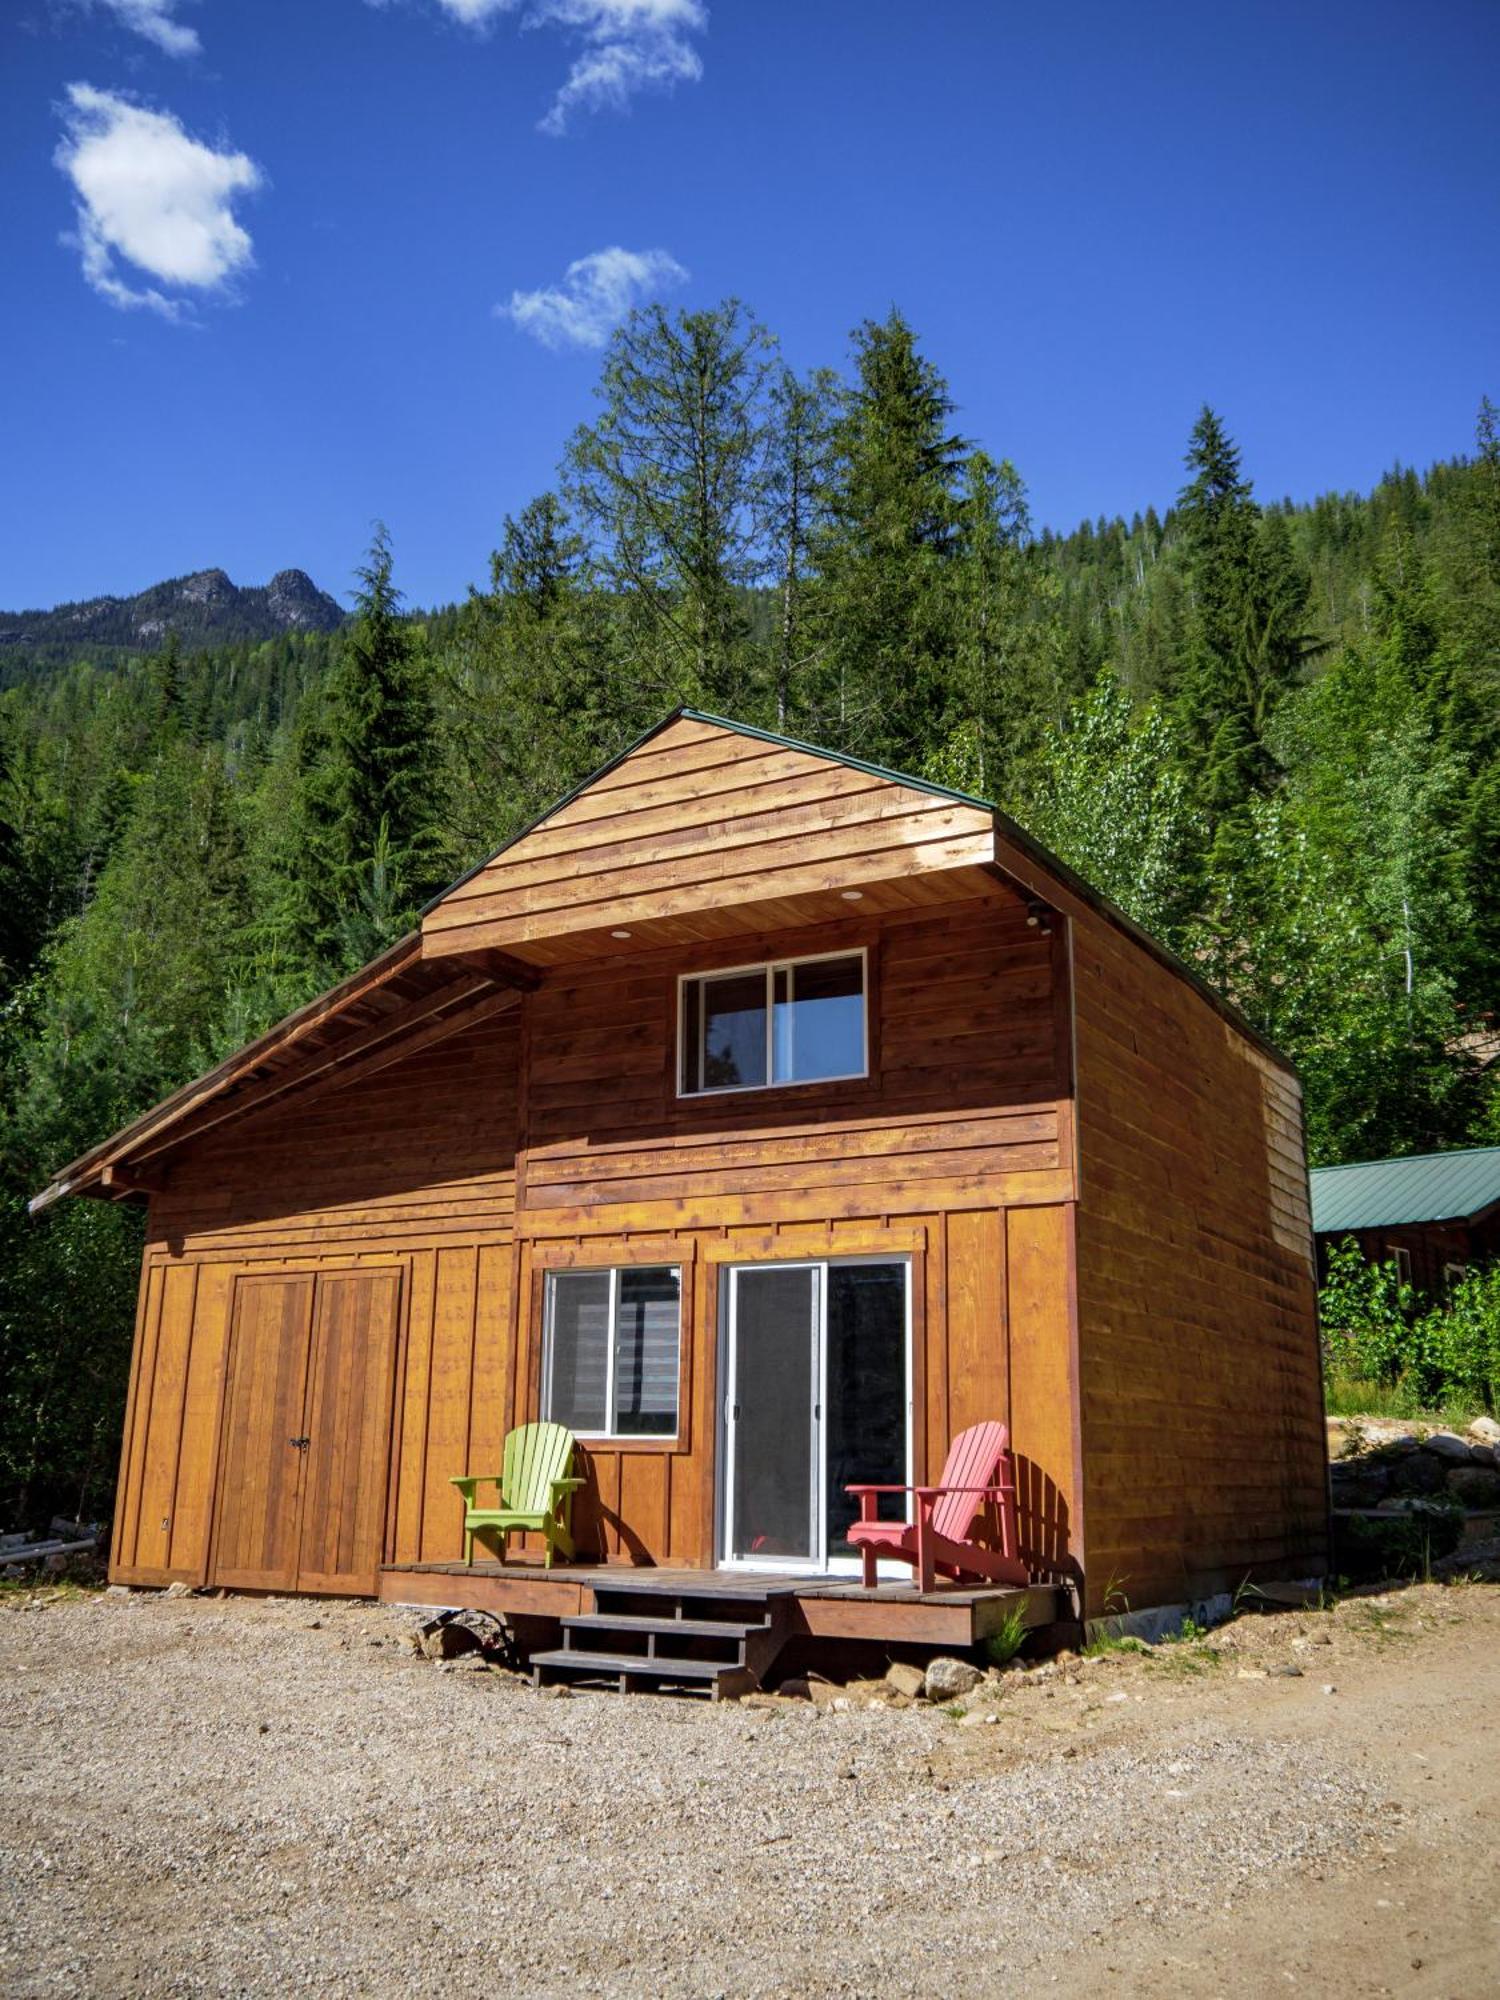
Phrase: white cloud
(628, 46)
(153, 19)
(596, 293)
(153, 196)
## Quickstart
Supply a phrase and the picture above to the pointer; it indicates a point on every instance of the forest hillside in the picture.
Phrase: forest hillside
(1271, 732)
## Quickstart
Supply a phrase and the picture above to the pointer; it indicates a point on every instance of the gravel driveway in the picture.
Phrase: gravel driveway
(261, 1797)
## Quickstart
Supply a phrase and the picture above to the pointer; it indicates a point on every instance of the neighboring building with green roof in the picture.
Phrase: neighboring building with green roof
(1432, 1214)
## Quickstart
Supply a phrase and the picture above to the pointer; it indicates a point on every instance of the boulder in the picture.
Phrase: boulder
(1485, 1454)
(1422, 1472)
(1447, 1444)
(1484, 1431)
(1360, 1487)
(906, 1679)
(445, 1639)
(1475, 1485)
(948, 1679)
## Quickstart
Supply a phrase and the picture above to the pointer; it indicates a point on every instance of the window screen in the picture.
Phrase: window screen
(612, 1351)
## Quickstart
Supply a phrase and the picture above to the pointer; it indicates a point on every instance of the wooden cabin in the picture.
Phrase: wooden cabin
(1434, 1216)
(768, 1118)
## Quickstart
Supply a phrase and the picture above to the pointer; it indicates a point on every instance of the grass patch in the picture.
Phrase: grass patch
(1379, 1622)
(1186, 1657)
(1107, 1644)
(1009, 1636)
(52, 1589)
(1360, 1396)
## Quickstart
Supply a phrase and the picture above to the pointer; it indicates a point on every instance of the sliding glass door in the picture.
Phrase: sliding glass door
(815, 1369)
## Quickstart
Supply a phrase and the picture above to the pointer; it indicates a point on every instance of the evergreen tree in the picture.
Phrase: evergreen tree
(799, 473)
(670, 483)
(883, 607)
(371, 776)
(533, 694)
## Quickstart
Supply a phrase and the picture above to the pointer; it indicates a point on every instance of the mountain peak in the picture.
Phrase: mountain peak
(204, 608)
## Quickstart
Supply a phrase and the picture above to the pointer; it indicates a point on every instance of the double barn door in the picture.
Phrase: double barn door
(305, 1449)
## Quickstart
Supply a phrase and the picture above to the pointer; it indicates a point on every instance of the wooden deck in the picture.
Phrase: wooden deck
(817, 1607)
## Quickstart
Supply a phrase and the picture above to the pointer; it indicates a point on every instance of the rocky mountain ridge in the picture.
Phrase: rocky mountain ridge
(205, 608)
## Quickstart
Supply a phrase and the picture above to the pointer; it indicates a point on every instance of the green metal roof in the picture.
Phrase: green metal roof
(1427, 1187)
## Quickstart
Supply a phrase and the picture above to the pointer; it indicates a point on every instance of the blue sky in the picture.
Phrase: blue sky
(1096, 217)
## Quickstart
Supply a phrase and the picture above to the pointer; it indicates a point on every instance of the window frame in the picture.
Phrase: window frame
(649, 1440)
(769, 967)
(1401, 1258)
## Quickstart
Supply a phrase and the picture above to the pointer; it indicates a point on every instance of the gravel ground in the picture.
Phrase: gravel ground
(257, 1797)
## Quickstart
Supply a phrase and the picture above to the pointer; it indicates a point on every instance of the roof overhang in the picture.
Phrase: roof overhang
(389, 1009)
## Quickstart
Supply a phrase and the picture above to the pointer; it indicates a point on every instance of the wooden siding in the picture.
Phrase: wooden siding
(694, 830)
(1201, 1403)
(413, 1169)
(1430, 1246)
(961, 1108)
(473, 1178)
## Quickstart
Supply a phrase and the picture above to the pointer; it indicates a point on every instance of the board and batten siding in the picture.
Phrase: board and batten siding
(1203, 1452)
(554, 1135)
(413, 1170)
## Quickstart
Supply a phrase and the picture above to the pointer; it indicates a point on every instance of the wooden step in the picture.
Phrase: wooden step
(689, 1628)
(713, 1677)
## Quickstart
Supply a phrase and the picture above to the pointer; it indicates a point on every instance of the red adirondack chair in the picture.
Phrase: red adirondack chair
(978, 1469)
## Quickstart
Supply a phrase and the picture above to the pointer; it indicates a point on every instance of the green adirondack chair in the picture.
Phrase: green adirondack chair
(536, 1489)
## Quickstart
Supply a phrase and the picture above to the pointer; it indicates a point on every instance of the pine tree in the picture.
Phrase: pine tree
(883, 604)
(371, 776)
(1245, 643)
(799, 473)
(533, 692)
(670, 485)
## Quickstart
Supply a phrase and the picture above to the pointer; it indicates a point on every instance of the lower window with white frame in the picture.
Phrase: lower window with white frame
(611, 1347)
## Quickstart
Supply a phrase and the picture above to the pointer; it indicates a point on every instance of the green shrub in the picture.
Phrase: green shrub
(1383, 1356)
(1366, 1315)
(1460, 1342)
(1368, 1547)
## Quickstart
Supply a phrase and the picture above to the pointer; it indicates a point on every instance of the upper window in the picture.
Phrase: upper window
(611, 1361)
(799, 1020)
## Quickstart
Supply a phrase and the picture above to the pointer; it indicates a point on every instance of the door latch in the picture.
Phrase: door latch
(299, 1444)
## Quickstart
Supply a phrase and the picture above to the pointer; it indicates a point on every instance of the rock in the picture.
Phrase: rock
(796, 1688)
(906, 1679)
(118, 1590)
(947, 1679)
(1475, 1485)
(446, 1640)
(1251, 1674)
(55, 1565)
(1447, 1444)
(978, 1718)
(1364, 1486)
(178, 1590)
(1286, 1673)
(1485, 1454)
(1485, 1431)
(1422, 1472)
(1329, 1688)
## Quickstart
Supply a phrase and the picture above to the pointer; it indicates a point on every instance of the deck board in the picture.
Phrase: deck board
(831, 1607)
